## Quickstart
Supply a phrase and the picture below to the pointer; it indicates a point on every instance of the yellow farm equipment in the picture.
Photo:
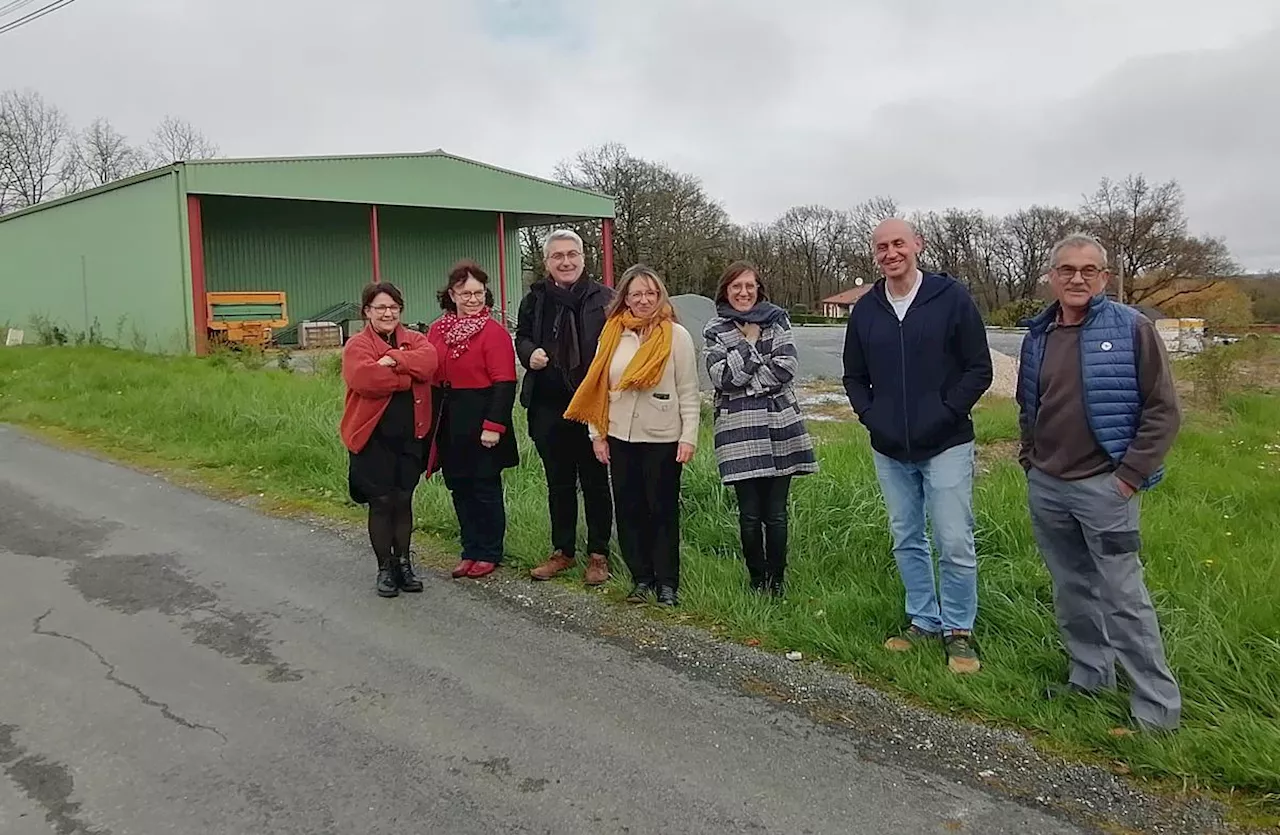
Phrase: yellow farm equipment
(245, 318)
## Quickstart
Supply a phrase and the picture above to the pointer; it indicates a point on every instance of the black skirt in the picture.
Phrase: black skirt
(393, 460)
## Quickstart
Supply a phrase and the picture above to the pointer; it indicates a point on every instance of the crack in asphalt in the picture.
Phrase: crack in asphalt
(165, 710)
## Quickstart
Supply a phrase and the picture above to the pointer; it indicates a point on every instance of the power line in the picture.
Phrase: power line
(14, 5)
(34, 16)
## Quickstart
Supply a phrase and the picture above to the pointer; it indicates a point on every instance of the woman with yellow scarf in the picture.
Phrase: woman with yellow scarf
(640, 403)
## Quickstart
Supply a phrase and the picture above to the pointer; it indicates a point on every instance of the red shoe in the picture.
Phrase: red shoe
(461, 569)
(480, 569)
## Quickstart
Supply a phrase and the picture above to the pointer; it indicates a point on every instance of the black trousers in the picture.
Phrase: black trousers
(646, 495)
(762, 523)
(565, 450)
(482, 516)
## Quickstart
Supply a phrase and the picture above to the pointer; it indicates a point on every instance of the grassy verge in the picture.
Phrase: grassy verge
(1211, 534)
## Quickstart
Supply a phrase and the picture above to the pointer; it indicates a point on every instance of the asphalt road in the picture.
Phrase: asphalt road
(820, 348)
(172, 664)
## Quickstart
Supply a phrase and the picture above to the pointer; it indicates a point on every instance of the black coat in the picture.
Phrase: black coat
(461, 415)
(529, 330)
(471, 394)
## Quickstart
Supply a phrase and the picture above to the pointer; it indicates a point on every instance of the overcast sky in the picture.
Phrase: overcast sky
(990, 104)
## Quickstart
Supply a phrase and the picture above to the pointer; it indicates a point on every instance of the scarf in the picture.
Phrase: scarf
(460, 330)
(762, 314)
(590, 404)
(566, 347)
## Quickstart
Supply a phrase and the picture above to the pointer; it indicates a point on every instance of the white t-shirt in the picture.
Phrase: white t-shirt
(903, 303)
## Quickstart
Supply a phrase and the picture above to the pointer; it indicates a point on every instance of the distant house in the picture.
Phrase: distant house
(837, 306)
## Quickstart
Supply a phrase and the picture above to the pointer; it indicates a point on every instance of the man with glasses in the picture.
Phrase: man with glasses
(1098, 414)
(557, 329)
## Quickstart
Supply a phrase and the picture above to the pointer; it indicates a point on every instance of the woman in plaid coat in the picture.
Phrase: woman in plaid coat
(760, 437)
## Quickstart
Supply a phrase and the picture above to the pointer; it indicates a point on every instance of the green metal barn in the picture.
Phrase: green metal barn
(134, 259)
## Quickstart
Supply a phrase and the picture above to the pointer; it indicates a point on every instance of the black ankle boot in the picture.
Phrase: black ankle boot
(775, 584)
(407, 580)
(387, 586)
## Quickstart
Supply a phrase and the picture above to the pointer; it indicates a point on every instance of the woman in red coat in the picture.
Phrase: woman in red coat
(473, 439)
(388, 370)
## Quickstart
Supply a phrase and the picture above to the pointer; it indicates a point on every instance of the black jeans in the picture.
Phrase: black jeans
(482, 516)
(646, 494)
(567, 459)
(762, 503)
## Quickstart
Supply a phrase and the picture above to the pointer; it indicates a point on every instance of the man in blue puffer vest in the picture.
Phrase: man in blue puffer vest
(1098, 414)
(915, 363)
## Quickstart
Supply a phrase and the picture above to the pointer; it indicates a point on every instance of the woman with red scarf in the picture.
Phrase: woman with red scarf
(475, 390)
(386, 417)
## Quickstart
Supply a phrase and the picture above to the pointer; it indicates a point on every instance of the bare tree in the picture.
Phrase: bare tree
(175, 140)
(1029, 236)
(863, 220)
(814, 244)
(37, 159)
(967, 245)
(104, 155)
(1144, 226)
(758, 244)
(662, 217)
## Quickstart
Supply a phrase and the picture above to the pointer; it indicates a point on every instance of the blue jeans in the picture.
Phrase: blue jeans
(942, 486)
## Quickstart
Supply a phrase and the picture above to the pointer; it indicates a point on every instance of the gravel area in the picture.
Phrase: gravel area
(885, 729)
(1004, 370)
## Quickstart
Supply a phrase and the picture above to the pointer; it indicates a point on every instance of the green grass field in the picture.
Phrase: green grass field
(1211, 532)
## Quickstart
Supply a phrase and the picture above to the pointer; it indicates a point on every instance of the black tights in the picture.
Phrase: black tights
(390, 526)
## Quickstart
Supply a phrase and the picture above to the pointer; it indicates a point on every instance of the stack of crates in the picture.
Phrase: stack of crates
(319, 335)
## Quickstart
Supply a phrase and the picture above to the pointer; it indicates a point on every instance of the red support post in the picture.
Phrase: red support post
(373, 243)
(606, 255)
(502, 264)
(199, 309)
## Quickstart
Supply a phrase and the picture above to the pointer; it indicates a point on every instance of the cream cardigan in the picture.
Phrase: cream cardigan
(668, 412)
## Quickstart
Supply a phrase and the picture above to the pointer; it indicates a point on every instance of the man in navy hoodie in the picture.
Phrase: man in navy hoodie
(915, 363)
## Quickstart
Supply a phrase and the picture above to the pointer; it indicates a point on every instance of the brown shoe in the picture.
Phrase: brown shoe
(597, 573)
(558, 564)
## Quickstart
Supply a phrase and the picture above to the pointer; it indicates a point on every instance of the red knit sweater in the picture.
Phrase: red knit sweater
(370, 385)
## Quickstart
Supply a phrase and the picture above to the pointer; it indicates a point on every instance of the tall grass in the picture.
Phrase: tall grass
(1211, 533)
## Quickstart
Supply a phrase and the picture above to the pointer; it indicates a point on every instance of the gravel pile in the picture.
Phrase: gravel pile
(1004, 370)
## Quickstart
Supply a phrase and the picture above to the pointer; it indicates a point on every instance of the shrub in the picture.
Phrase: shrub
(1014, 312)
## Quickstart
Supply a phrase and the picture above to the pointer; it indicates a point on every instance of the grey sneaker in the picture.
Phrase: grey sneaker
(962, 657)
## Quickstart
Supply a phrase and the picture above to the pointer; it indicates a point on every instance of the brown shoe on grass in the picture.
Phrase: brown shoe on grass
(557, 564)
(910, 638)
(597, 573)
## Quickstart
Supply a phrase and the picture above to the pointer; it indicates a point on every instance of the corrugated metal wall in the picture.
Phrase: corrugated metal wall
(111, 261)
(318, 254)
(418, 246)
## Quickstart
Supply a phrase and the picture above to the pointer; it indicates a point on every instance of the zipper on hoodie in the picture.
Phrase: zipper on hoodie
(902, 352)
(902, 362)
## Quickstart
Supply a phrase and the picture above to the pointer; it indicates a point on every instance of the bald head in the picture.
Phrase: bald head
(897, 246)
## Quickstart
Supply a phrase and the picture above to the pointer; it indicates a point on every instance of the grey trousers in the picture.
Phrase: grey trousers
(1088, 534)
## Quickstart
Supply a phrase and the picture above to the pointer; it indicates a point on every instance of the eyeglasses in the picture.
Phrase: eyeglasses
(571, 255)
(469, 294)
(385, 308)
(642, 294)
(1088, 273)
